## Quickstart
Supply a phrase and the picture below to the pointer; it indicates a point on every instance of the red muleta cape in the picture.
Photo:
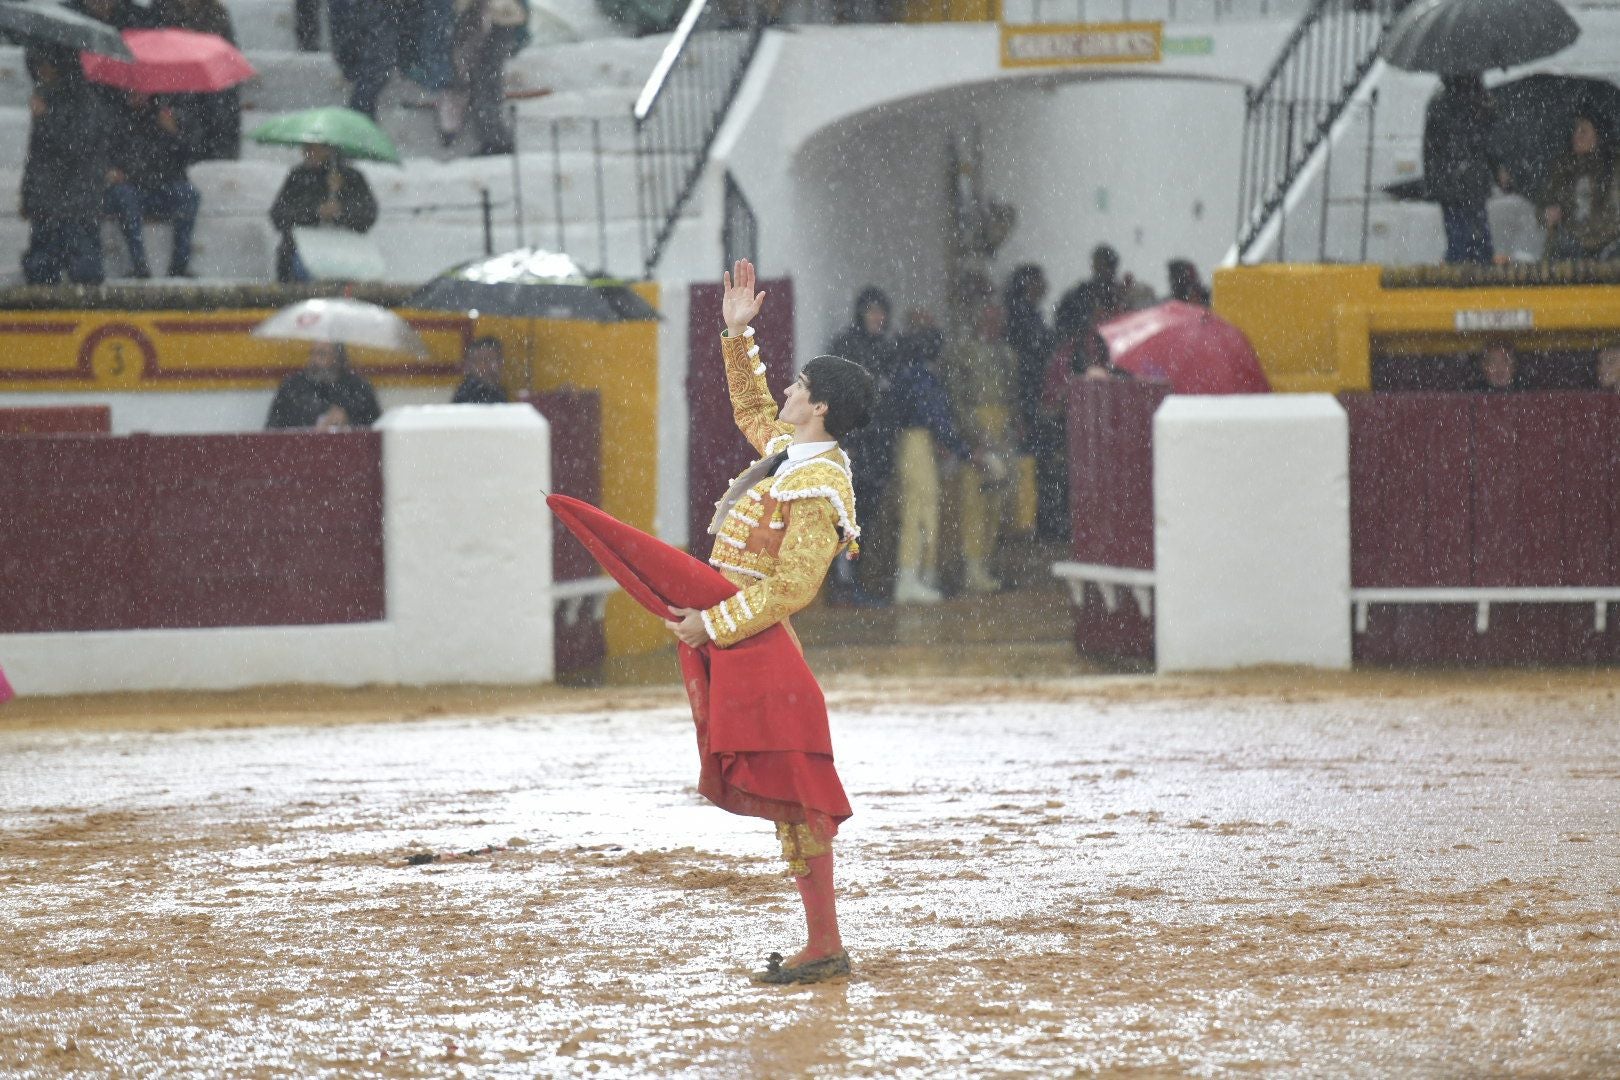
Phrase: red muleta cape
(760, 715)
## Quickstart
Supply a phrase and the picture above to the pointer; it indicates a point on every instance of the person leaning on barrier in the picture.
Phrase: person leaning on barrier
(482, 385)
(327, 394)
(1608, 368)
(1497, 368)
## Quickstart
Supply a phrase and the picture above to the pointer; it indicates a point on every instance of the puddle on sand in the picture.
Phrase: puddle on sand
(1037, 882)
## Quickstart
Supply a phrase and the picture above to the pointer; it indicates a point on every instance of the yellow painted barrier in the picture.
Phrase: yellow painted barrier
(120, 351)
(1317, 328)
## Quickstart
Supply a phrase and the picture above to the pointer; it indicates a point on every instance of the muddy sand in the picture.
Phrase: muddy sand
(1360, 875)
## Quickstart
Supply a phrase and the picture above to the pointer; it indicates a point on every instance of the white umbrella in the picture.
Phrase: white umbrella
(344, 322)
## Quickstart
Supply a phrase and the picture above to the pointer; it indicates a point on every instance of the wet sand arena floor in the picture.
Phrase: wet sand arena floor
(1344, 876)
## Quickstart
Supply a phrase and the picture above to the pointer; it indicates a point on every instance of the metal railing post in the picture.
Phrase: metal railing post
(487, 208)
(1366, 182)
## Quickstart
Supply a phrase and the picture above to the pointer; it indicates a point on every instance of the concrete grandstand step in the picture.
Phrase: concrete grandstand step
(231, 249)
(268, 24)
(294, 80)
(416, 136)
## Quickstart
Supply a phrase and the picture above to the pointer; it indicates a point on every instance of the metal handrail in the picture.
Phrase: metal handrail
(673, 49)
(680, 109)
(1296, 103)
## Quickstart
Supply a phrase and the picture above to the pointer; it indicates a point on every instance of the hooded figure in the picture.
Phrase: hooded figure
(867, 342)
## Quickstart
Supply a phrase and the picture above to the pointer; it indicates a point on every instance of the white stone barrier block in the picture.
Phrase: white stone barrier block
(1251, 510)
(467, 542)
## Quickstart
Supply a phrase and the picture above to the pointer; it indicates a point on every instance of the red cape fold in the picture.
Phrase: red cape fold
(761, 718)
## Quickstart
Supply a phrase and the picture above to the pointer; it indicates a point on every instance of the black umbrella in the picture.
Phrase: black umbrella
(1461, 37)
(52, 24)
(531, 283)
(1535, 117)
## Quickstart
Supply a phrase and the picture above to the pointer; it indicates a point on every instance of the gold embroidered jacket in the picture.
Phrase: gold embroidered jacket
(774, 535)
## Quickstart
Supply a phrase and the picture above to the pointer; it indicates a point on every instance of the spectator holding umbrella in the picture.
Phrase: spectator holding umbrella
(323, 190)
(212, 121)
(1459, 164)
(64, 173)
(326, 395)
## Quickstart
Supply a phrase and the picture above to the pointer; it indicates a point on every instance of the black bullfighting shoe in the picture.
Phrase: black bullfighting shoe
(812, 971)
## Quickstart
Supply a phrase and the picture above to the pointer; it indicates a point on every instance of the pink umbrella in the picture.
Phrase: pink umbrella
(6, 693)
(1190, 347)
(171, 62)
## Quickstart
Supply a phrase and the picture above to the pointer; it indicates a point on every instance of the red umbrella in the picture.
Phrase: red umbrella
(1190, 347)
(171, 62)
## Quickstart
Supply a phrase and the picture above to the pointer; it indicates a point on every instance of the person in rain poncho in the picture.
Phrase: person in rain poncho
(780, 525)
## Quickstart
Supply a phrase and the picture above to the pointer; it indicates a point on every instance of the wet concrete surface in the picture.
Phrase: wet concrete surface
(1304, 875)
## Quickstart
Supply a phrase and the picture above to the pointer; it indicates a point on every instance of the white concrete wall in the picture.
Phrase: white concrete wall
(838, 136)
(200, 412)
(674, 415)
(467, 543)
(1251, 507)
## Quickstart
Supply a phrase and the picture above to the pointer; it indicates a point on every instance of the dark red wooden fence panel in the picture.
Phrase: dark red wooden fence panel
(56, 420)
(74, 522)
(717, 451)
(1110, 440)
(277, 528)
(267, 529)
(575, 417)
(1468, 490)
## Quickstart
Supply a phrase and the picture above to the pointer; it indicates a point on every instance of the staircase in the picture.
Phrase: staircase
(1292, 113)
(680, 111)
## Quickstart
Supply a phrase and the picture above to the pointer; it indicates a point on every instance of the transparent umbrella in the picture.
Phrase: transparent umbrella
(344, 322)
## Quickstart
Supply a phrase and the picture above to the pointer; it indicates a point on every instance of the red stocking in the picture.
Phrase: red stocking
(820, 909)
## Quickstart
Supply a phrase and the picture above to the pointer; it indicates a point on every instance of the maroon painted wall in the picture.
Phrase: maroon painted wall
(717, 451)
(269, 529)
(56, 420)
(1484, 490)
(1110, 439)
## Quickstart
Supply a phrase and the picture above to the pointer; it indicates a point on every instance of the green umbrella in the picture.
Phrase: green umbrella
(351, 133)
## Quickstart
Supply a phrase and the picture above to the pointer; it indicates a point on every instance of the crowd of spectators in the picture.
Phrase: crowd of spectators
(455, 50)
(1578, 202)
(967, 441)
(96, 151)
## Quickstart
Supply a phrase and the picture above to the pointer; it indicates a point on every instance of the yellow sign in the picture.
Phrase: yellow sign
(1050, 45)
